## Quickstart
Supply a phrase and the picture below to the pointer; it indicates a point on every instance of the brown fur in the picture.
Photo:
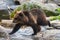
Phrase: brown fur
(34, 18)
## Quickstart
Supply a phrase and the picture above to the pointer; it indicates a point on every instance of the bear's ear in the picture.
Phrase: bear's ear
(20, 14)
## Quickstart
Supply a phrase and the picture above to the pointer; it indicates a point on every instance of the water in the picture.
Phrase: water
(5, 3)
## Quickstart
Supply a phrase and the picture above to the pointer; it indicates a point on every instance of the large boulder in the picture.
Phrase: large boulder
(3, 34)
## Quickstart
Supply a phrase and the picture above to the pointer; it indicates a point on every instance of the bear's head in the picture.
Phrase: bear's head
(20, 17)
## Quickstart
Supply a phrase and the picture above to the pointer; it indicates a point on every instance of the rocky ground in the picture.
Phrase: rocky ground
(49, 34)
(52, 34)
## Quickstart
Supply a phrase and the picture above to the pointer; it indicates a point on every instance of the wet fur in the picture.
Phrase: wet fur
(34, 18)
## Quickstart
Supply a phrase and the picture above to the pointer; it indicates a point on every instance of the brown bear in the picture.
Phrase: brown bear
(34, 18)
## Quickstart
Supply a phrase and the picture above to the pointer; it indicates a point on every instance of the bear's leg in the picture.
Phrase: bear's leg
(35, 29)
(16, 28)
(49, 23)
